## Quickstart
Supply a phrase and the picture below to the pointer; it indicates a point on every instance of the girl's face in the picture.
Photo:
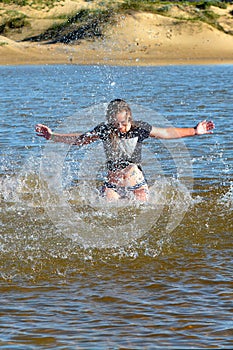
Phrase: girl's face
(122, 122)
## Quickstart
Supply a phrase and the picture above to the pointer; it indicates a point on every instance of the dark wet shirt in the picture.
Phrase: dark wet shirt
(122, 149)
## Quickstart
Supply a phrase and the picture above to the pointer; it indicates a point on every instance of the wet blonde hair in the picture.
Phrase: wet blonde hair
(117, 106)
(114, 107)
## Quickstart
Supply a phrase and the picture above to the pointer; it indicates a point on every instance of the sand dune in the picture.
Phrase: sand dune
(136, 39)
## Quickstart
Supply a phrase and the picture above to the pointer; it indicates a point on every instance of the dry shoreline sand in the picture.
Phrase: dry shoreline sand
(138, 39)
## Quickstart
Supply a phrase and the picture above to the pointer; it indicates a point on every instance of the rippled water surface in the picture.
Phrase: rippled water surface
(77, 273)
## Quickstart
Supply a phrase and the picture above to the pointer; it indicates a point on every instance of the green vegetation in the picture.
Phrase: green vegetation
(201, 9)
(138, 5)
(86, 24)
(16, 2)
(148, 5)
(13, 20)
(32, 3)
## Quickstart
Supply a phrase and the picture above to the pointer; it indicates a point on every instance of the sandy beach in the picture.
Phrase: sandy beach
(138, 38)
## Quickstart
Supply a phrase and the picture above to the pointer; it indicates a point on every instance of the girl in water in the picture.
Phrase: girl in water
(122, 138)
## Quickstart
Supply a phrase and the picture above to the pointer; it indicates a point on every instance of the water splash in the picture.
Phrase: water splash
(33, 247)
(226, 199)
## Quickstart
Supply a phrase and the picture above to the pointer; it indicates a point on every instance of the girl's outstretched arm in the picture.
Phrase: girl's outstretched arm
(72, 139)
(204, 127)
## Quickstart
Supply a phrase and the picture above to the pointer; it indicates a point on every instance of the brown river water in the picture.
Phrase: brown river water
(77, 273)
